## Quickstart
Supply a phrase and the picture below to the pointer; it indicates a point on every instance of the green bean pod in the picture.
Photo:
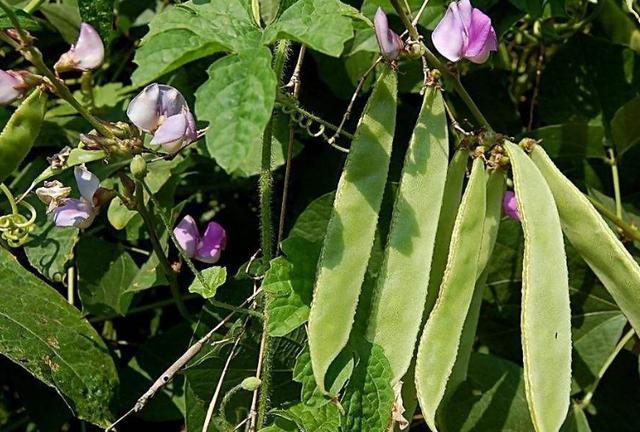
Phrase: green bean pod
(545, 316)
(438, 346)
(594, 240)
(21, 131)
(448, 211)
(402, 284)
(495, 191)
(351, 229)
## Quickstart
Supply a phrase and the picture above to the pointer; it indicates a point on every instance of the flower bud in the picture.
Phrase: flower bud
(465, 32)
(510, 205)
(251, 383)
(138, 167)
(389, 42)
(12, 86)
(86, 54)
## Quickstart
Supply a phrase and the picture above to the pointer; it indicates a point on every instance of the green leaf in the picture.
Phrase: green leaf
(65, 17)
(572, 140)
(323, 25)
(215, 276)
(25, 19)
(237, 101)
(105, 273)
(49, 338)
(192, 30)
(51, 249)
(625, 127)
(307, 418)
(98, 13)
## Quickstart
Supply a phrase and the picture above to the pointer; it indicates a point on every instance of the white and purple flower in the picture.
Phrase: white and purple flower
(389, 42)
(73, 212)
(86, 54)
(510, 205)
(162, 111)
(465, 32)
(206, 248)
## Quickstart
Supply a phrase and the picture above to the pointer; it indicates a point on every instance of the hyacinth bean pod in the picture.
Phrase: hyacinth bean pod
(403, 282)
(21, 131)
(438, 346)
(545, 316)
(351, 229)
(495, 190)
(448, 211)
(584, 228)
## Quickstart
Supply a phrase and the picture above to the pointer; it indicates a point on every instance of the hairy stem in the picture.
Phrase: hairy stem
(157, 248)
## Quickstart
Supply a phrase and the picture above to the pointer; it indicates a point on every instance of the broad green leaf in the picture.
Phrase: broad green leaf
(105, 273)
(25, 19)
(309, 419)
(51, 249)
(352, 227)
(572, 140)
(625, 127)
(323, 25)
(546, 316)
(214, 276)
(50, 339)
(402, 284)
(369, 396)
(65, 17)
(98, 13)
(237, 101)
(192, 30)
(618, 25)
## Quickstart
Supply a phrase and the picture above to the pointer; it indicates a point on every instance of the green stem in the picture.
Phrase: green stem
(190, 264)
(33, 6)
(627, 230)
(586, 400)
(12, 202)
(616, 182)
(157, 248)
(435, 62)
(71, 284)
(33, 55)
(265, 183)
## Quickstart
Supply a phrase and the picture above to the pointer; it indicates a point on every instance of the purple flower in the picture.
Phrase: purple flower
(465, 32)
(12, 86)
(389, 42)
(206, 248)
(510, 205)
(86, 54)
(79, 213)
(162, 111)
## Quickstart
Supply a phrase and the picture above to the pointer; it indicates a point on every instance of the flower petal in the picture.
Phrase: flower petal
(171, 101)
(212, 244)
(10, 87)
(74, 212)
(465, 12)
(510, 205)
(389, 42)
(88, 51)
(172, 133)
(144, 109)
(482, 38)
(449, 36)
(88, 183)
(187, 235)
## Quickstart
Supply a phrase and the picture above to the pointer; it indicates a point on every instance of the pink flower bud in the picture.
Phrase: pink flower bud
(162, 111)
(12, 86)
(510, 205)
(206, 248)
(86, 54)
(465, 32)
(389, 42)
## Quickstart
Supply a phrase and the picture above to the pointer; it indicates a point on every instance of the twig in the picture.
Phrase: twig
(71, 284)
(168, 374)
(254, 401)
(216, 394)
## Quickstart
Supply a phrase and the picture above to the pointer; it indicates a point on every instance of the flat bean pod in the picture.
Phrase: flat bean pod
(438, 346)
(594, 240)
(21, 131)
(546, 316)
(402, 284)
(351, 229)
(448, 211)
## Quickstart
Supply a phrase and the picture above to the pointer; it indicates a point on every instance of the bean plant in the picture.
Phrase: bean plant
(321, 216)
